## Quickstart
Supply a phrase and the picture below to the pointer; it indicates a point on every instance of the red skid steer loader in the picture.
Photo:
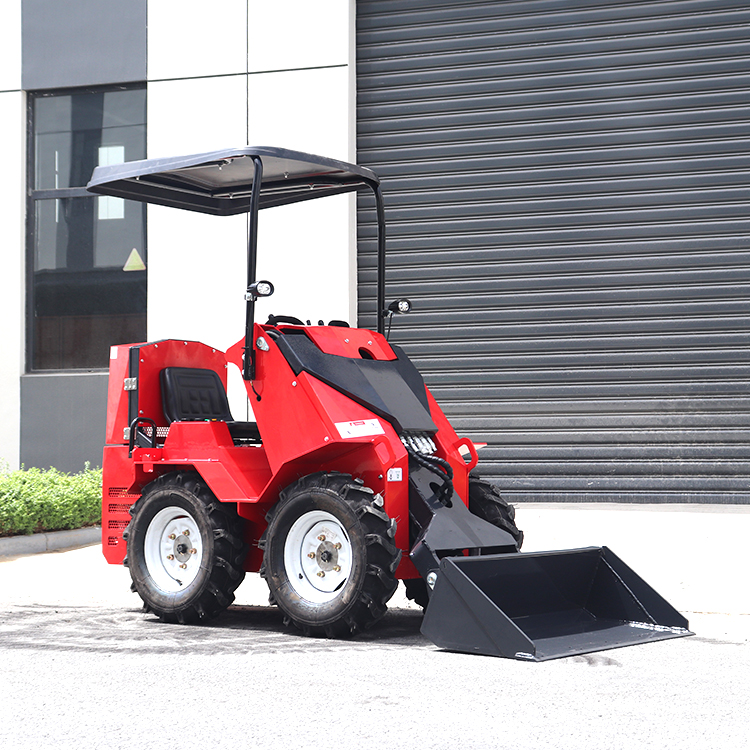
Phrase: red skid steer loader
(350, 479)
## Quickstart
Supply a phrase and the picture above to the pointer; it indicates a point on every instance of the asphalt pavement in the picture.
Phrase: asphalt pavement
(83, 667)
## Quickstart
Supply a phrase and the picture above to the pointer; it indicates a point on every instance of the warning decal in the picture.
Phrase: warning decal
(360, 428)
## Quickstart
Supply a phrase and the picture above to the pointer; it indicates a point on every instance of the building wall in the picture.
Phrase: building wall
(283, 74)
(245, 85)
(566, 190)
(13, 133)
(82, 42)
(219, 76)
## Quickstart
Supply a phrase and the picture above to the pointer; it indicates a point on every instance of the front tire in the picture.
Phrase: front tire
(329, 557)
(185, 549)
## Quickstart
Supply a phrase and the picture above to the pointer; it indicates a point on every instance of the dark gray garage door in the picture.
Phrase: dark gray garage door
(567, 191)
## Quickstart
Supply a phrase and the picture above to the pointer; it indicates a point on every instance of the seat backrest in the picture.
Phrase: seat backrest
(191, 394)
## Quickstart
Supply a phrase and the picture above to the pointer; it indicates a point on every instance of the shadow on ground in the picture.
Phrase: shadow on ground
(239, 630)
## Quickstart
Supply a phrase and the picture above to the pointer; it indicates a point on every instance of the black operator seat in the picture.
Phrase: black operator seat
(192, 394)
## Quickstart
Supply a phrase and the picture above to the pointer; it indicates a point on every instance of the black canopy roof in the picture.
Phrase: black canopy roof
(221, 182)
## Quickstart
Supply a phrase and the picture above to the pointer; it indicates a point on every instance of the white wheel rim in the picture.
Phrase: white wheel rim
(173, 549)
(317, 556)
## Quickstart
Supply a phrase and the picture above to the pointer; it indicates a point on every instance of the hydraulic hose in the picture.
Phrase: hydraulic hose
(439, 467)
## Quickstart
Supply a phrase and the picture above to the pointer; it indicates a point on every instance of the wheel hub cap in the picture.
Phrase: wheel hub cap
(317, 556)
(327, 556)
(173, 549)
(182, 548)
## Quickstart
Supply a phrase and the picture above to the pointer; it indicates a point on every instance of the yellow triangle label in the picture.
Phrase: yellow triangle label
(134, 262)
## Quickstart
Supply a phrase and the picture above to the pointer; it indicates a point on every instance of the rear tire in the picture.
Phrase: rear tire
(185, 549)
(486, 502)
(329, 557)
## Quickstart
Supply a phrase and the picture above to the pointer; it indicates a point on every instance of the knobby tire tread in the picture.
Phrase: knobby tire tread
(216, 592)
(382, 555)
(486, 502)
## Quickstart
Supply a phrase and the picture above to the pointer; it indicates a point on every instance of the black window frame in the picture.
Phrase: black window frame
(33, 195)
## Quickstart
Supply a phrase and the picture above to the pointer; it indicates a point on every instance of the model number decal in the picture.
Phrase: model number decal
(360, 428)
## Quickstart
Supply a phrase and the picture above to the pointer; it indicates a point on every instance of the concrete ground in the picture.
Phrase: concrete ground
(82, 667)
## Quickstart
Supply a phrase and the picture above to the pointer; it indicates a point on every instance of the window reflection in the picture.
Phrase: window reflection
(89, 252)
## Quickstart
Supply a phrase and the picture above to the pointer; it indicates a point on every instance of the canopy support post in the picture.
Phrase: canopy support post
(248, 368)
(380, 210)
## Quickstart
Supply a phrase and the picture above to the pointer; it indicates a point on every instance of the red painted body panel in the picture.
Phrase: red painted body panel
(117, 406)
(305, 426)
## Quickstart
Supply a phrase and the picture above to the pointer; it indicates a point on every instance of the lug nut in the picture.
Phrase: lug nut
(337, 545)
(193, 551)
(173, 536)
(170, 557)
(311, 555)
(186, 532)
(321, 574)
(337, 568)
(183, 566)
(322, 538)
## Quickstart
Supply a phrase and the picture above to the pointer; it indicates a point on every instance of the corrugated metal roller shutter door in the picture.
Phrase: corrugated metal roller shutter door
(567, 191)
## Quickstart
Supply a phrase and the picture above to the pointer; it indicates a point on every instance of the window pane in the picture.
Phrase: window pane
(80, 234)
(78, 316)
(89, 254)
(84, 299)
(70, 130)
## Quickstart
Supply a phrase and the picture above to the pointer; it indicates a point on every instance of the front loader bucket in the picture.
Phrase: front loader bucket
(545, 605)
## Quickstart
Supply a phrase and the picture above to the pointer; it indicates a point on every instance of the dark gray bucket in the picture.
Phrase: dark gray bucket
(545, 605)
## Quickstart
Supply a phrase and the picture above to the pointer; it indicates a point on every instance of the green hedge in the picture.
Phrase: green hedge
(35, 500)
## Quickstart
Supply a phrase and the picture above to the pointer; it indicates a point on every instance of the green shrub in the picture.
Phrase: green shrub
(34, 500)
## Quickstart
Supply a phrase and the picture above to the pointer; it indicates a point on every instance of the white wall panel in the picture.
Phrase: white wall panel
(290, 34)
(306, 110)
(195, 262)
(195, 38)
(12, 131)
(197, 276)
(196, 265)
(194, 115)
(304, 251)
